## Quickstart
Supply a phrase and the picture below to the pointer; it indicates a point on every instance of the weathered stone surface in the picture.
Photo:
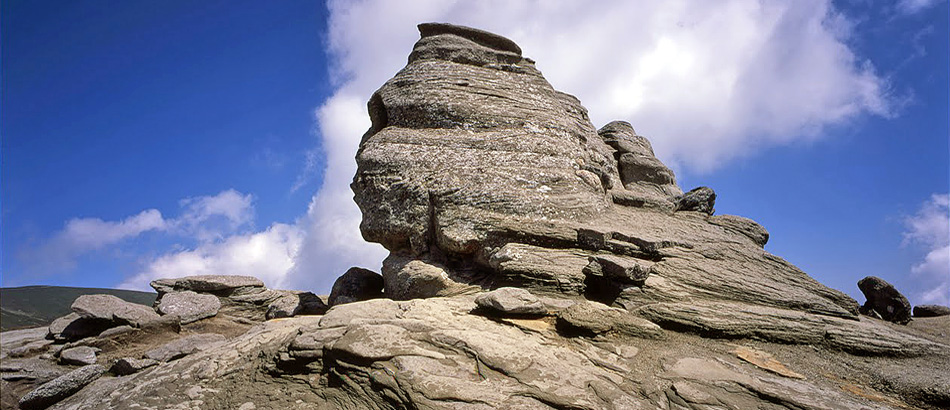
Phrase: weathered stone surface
(511, 301)
(61, 387)
(206, 283)
(407, 278)
(736, 320)
(931, 310)
(591, 319)
(188, 305)
(702, 199)
(296, 303)
(23, 342)
(884, 300)
(619, 268)
(183, 347)
(745, 226)
(127, 365)
(80, 355)
(355, 285)
(638, 166)
(111, 308)
(38, 371)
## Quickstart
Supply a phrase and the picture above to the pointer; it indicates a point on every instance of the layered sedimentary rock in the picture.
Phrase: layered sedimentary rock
(475, 165)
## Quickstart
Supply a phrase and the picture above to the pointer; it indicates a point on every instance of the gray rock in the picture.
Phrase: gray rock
(38, 371)
(407, 278)
(511, 302)
(80, 355)
(591, 319)
(757, 233)
(188, 305)
(183, 347)
(296, 303)
(702, 199)
(120, 330)
(23, 342)
(218, 284)
(61, 387)
(355, 285)
(640, 170)
(127, 365)
(111, 308)
(931, 310)
(74, 327)
(619, 268)
(884, 300)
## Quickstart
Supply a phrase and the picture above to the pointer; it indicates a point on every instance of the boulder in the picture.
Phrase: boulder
(884, 300)
(407, 278)
(592, 319)
(751, 229)
(355, 285)
(217, 284)
(511, 302)
(73, 327)
(79, 355)
(109, 308)
(61, 387)
(619, 268)
(296, 303)
(931, 310)
(188, 305)
(702, 199)
(183, 347)
(127, 365)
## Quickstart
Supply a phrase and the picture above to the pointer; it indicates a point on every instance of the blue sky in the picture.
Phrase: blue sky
(148, 139)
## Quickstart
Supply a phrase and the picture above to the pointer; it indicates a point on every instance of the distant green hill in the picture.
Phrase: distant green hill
(32, 306)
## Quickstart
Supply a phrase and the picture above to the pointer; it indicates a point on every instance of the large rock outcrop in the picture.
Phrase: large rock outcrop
(535, 263)
(477, 167)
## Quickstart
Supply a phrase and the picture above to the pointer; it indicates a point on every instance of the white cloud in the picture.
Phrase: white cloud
(706, 81)
(916, 6)
(267, 255)
(204, 218)
(929, 229)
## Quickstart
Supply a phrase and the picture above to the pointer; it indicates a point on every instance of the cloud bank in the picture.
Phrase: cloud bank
(708, 82)
(929, 230)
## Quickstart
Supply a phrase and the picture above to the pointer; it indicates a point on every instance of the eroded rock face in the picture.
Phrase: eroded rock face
(477, 173)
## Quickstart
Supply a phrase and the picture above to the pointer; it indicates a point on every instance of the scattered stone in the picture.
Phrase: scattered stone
(355, 285)
(591, 319)
(80, 355)
(294, 304)
(128, 365)
(61, 387)
(702, 199)
(884, 300)
(511, 302)
(931, 310)
(188, 305)
(765, 361)
(183, 347)
(114, 309)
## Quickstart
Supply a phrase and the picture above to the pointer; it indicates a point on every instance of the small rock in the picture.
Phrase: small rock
(931, 310)
(61, 387)
(128, 365)
(511, 301)
(111, 308)
(702, 199)
(885, 300)
(188, 305)
(80, 355)
(355, 285)
(408, 278)
(183, 347)
(623, 270)
(591, 319)
(294, 303)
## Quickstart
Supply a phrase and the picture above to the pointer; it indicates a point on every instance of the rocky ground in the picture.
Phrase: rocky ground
(535, 262)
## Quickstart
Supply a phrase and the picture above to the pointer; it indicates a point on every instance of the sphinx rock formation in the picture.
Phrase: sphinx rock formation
(535, 263)
(476, 173)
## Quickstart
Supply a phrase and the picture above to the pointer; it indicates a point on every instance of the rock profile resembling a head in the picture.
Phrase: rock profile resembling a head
(477, 173)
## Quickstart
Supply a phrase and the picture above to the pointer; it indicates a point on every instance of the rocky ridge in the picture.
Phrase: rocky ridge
(535, 262)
